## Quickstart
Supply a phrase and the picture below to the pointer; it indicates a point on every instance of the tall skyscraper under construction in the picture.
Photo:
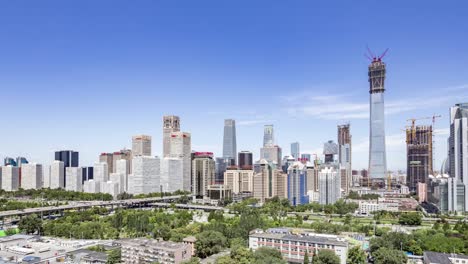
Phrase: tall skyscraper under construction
(418, 155)
(344, 156)
(377, 152)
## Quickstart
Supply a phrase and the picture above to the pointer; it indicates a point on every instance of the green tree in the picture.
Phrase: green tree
(114, 256)
(192, 260)
(326, 256)
(30, 224)
(209, 243)
(413, 218)
(436, 225)
(389, 256)
(446, 227)
(356, 256)
(266, 255)
(306, 258)
(10, 231)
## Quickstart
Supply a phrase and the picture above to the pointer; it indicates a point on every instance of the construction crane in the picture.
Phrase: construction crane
(413, 127)
(372, 57)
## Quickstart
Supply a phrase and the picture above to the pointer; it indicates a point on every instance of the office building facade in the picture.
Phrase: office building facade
(229, 140)
(329, 185)
(69, 158)
(344, 156)
(145, 177)
(180, 146)
(57, 174)
(297, 184)
(418, 156)
(245, 159)
(10, 178)
(141, 145)
(203, 173)
(171, 124)
(172, 172)
(268, 136)
(269, 183)
(74, 177)
(239, 181)
(32, 176)
(295, 151)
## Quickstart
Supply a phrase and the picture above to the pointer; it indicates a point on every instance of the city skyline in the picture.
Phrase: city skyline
(296, 73)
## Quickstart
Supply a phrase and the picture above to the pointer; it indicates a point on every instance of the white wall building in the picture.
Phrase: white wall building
(10, 178)
(101, 172)
(122, 167)
(31, 176)
(92, 186)
(145, 177)
(181, 147)
(172, 174)
(111, 188)
(329, 185)
(74, 179)
(141, 145)
(120, 179)
(56, 174)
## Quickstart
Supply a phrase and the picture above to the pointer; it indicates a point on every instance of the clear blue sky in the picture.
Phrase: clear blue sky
(87, 75)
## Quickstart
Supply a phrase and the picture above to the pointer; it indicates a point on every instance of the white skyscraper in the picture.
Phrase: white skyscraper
(181, 147)
(110, 187)
(56, 174)
(141, 145)
(119, 179)
(145, 177)
(122, 167)
(74, 178)
(329, 185)
(101, 172)
(171, 124)
(31, 176)
(172, 174)
(10, 178)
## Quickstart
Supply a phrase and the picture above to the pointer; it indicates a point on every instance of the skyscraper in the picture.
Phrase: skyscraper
(272, 154)
(458, 156)
(107, 158)
(141, 145)
(245, 160)
(101, 172)
(56, 175)
(297, 184)
(344, 156)
(268, 137)
(418, 156)
(180, 146)
(172, 173)
(171, 124)
(74, 178)
(10, 178)
(329, 185)
(295, 150)
(203, 173)
(229, 140)
(69, 158)
(269, 182)
(32, 175)
(377, 153)
(330, 150)
(145, 176)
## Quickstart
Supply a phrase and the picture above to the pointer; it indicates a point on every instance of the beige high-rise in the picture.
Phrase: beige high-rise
(171, 124)
(240, 181)
(180, 146)
(141, 145)
(269, 183)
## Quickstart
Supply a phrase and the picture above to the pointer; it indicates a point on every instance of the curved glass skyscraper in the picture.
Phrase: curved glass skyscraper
(377, 154)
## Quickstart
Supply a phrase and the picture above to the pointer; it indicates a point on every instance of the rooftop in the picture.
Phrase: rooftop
(300, 235)
(441, 258)
(151, 242)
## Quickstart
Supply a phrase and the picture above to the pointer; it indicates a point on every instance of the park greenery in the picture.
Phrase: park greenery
(8, 204)
(55, 195)
(355, 196)
(231, 230)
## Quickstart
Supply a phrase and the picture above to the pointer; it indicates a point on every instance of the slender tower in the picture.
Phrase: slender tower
(171, 123)
(229, 141)
(377, 153)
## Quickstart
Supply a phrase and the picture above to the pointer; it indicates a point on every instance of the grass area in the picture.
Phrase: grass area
(3, 234)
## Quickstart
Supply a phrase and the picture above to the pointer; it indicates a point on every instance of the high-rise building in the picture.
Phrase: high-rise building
(312, 177)
(229, 140)
(20, 161)
(221, 167)
(87, 173)
(344, 157)
(268, 136)
(295, 151)
(377, 152)
(245, 160)
(121, 167)
(171, 124)
(172, 174)
(269, 182)
(124, 154)
(92, 186)
(74, 176)
(69, 158)
(418, 156)
(330, 150)
(458, 158)
(329, 185)
(107, 158)
(203, 173)
(101, 172)
(57, 174)
(297, 184)
(271, 153)
(32, 176)
(10, 178)
(181, 147)
(141, 145)
(145, 177)
(240, 181)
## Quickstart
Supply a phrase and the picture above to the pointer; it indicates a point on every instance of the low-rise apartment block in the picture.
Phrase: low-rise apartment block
(147, 251)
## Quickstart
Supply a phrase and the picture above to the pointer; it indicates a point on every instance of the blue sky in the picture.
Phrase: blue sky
(87, 75)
